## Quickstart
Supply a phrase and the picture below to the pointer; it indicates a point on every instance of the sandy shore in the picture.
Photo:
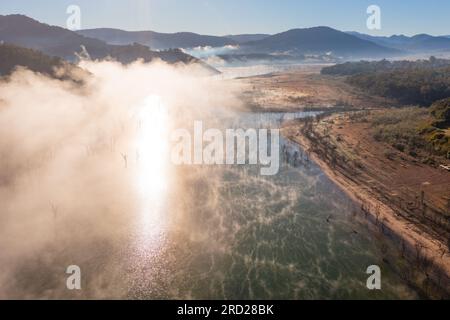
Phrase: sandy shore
(420, 248)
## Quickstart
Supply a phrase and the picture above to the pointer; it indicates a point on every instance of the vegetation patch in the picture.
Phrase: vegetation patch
(419, 82)
(401, 128)
(414, 130)
(13, 57)
(437, 132)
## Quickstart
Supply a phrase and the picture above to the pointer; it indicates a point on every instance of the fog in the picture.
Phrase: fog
(208, 51)
(68, 167)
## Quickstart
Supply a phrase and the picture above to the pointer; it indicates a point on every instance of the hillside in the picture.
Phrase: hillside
(243, 38)
(56, 41)
(156, 40)
(319, 40)
(420, 82)
(12, 56)
(362, 67)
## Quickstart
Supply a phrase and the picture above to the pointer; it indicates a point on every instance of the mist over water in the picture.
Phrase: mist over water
(238, 235)
(84, 180)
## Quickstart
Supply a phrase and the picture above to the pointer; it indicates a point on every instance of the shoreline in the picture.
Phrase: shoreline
(430, 255)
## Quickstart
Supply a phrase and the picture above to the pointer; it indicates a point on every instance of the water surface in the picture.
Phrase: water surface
(210, 232)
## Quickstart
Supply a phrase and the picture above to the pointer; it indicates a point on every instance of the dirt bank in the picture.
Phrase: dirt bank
(389, 192)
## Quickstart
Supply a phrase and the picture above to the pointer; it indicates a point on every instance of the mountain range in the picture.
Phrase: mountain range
(156, 40)
(55, 41)
(127, 46)
(417, 43)
(242, 38)
(317, 40)
(164, 41)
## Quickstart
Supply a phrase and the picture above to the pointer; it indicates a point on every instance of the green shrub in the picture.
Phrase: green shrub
(413, 153)
(400, 147)
(441, 109)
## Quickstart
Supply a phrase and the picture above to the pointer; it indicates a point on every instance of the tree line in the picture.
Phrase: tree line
(12, 56)
(420, 82)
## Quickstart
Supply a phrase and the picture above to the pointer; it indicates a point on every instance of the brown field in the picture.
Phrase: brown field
(304, 87)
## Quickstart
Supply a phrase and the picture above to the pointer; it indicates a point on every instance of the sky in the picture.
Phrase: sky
(223, 17)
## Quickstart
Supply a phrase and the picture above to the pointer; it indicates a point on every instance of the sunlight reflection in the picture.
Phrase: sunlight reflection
(152, 168)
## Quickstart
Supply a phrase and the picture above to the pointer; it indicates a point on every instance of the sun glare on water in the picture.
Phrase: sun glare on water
(152, 147)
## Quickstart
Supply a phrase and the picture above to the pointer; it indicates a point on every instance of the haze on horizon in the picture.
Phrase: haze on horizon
(222, 17)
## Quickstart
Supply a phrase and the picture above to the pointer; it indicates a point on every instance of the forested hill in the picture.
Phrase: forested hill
(419, 82)
(352, 68)
(12, 56)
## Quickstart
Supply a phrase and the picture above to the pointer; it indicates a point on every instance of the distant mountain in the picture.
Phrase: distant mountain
(319, 40)
(417, 43)
(156, 40)
(128, 46)
(393, 41)
(242, 38)
(56, 41)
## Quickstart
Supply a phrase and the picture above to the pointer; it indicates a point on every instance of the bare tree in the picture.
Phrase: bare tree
(54, 209)
(125, 159)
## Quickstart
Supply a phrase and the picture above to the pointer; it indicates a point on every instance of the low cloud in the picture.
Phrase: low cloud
(66, 188)
(208, 52)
